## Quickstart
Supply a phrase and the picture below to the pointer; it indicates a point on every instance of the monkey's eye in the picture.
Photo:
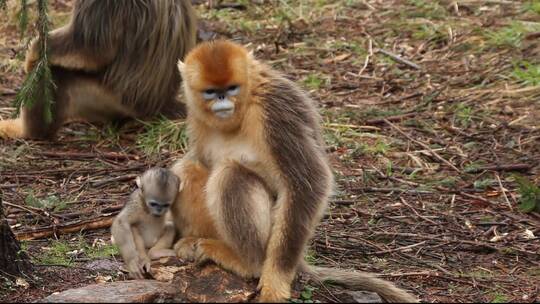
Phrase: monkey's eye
(209, 94)
(233, 90)
(154, 205)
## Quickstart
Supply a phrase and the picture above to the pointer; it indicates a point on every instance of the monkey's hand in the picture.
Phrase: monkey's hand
(138, 267)
(185, 248)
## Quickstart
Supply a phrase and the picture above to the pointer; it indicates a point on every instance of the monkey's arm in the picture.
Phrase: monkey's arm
(65, 53)
(163, 246)
(129, 241)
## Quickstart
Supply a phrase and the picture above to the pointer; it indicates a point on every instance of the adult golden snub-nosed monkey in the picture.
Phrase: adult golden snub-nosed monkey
(258, 137)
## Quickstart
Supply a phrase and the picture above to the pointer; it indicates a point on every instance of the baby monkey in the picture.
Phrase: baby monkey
(143, 230)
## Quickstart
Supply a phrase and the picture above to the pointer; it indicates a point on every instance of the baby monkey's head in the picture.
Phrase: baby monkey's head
(159, 188)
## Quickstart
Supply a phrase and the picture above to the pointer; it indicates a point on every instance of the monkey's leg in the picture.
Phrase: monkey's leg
(32, 122)
(163, 246)
(292, 228)
(64, 52)
(76, 97)
(240, 205)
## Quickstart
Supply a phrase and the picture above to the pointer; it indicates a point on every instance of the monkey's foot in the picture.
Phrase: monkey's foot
(11, 128)
(156, 254)
(220, 253)
(185, 248)
(274, 288)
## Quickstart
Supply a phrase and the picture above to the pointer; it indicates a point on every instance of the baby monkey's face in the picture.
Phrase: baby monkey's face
(158, 205)
(159, 188)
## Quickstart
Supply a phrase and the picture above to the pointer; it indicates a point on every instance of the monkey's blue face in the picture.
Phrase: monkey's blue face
(157, 208)
(222, 100)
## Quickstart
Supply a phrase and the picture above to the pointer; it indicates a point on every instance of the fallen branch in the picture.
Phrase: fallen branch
(510, 167)
(404, 248)
(399, 59)
(123, 178)
(41, 233)
(390, 190)
(390, 118)
(84, 155)
(425, 146)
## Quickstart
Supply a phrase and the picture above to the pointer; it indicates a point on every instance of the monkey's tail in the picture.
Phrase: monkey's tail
(359, 281)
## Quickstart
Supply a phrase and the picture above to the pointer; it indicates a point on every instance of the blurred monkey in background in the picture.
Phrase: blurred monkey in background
(115, 59)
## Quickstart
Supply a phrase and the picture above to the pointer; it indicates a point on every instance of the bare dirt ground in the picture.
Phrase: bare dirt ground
(431, 109)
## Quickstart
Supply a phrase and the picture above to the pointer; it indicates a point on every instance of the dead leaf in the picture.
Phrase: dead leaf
(337, 58)
(103, 279)
(165, 273)
(498, 238)
(20, 282)
(528, 234)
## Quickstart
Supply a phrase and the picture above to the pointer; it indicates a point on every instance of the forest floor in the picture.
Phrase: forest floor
(431, 114)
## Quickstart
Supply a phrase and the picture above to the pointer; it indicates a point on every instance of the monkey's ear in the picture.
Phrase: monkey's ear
(181, 66)
(138, 181)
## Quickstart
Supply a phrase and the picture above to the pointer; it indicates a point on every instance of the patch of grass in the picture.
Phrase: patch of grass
(529, 195)
(463, 115)
(311, 257)
(315, 81)
(483, 184)
(473, 166)
(527, 73)
(426, 9)
(509, 36)
(430, 32)
(56, 254)
(163, 135)
(101, 251)
(349, 46)
(62, 252)
(380, 147)
(306, 296)
(50, 202)
(499, 298)
(373, 112)
(532, 6)
(449, 182)
(108, 135)
(480, 274)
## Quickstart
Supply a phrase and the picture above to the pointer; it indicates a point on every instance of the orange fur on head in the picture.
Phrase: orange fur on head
(216, 65)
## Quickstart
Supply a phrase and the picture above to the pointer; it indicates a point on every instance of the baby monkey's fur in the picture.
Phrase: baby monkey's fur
(268, 178)
(143, 231)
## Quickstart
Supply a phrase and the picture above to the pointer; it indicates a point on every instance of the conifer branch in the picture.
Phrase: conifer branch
(39, 82)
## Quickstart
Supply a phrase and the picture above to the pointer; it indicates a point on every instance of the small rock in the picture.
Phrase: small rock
(140, 291)
(364, 297)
